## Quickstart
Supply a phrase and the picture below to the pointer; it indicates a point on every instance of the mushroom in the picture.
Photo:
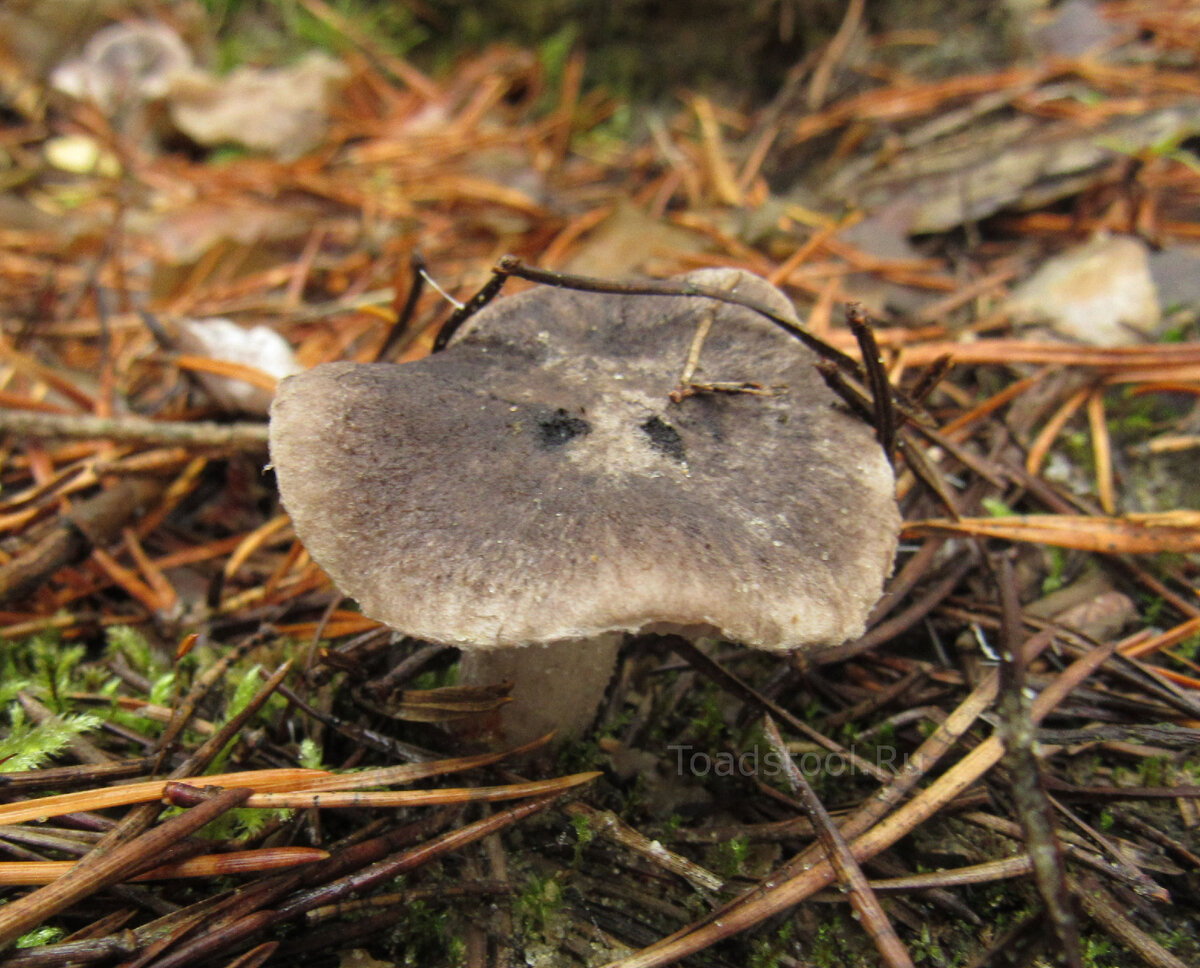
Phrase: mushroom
(124, 64)
(533, 493)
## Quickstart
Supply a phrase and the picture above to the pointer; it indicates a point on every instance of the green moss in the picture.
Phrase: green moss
(128, 643)
(1131, 416)
(925, 949)
(615, 726)
(42, 668)
(536, 905)
(437, 678)
(996, 508)
(1097, 951)
(423, 935)
(310, 755)
(1151, 609)
(584, 835)
(40, 936)
(1182, 942)
(838, 943)
(28, 746)
(1189, 648)
(770, 952)
(634, 801)
(708, 724)
(1153, 770)
(1057, 559)
(729, 856)
(579, 756)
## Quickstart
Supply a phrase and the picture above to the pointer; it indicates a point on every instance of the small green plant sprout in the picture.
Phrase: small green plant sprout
(584, 835)
(247, 687)
(1170, 146)
(926, 951)
(162, 689)
(131, 645)
(43, 667)
(1097, 950)
(554, 52)
(1057, 560)
(310, 755)
(996, 508)
(537, 903)
(1175, 334)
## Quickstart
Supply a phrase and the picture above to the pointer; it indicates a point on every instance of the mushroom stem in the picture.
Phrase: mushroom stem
(556, 687)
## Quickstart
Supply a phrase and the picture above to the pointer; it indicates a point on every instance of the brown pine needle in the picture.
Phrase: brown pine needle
(1150, 363)
(1175, 532)
(127, 579)
(207, 865)
(985, 873)
(229, 370)
(719, 171)
(1040, 448)
(607, 824)
(253, 541)
(164, 591)
(148, 791)
(1101, 451)
(303, 799)
(306, 784)
(1146, 646)
(97, 872)
(851, 877)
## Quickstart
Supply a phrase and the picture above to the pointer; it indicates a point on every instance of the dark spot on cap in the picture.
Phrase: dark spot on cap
(559, 427)
(664, 438)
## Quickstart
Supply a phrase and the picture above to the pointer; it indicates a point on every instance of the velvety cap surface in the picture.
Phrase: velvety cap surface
(535, 483)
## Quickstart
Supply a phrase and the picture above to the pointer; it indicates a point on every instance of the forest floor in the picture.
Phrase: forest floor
(1010, 755)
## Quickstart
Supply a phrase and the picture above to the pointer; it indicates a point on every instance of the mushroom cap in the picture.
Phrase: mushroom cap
(534, 483)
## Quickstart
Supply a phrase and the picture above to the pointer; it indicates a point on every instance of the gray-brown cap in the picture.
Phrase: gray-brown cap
(534, 482)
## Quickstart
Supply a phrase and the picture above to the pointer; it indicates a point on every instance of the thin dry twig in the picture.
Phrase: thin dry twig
(247, 437)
